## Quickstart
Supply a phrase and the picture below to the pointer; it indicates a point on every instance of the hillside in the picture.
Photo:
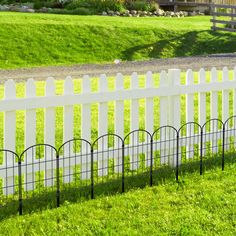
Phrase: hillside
(28, 40)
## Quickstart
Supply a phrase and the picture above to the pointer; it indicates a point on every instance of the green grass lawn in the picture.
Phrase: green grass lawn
(197, 205)
(28, 40)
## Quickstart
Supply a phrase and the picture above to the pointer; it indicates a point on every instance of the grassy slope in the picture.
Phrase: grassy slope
(198, 205)
(28, 40)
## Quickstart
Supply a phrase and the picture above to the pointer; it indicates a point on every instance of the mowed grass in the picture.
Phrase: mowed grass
(28, 40)
(59, 84)
(197, 205)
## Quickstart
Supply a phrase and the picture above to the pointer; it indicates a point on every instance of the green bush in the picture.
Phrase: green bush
(96, 6)
(59, 11)
(49, 4)
(82, 11)
(141, 5)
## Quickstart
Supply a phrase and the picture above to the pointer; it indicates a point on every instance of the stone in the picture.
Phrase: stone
(110, 13)
(4, 8)
(43, 10)
(133, 12)
(104, 13)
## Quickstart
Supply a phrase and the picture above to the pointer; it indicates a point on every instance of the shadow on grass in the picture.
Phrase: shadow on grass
(37, 201)
(186, 44)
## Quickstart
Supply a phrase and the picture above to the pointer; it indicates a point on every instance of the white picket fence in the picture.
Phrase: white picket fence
(169, 93)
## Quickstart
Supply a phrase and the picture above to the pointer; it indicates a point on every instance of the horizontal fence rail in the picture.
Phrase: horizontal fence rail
(82, 166)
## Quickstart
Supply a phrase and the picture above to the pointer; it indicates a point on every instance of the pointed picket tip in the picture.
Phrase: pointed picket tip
(225, 74)
(119, 81)
(134, 80)
(149, 80)
(214, 75)
(202, 76)
(163, 79)
(68, 85)
(189, 77)
(103, 83)
(86, 84)
(50, 86)
(10, 89)
(30, 89)
(149, 73)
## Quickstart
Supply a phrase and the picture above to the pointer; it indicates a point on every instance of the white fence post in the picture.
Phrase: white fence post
(9, 136)
(30, 136)
(49, 132)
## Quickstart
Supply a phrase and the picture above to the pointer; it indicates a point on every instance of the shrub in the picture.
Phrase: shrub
(49, 4)
(82, 11)
(96, 6)
(141, 5)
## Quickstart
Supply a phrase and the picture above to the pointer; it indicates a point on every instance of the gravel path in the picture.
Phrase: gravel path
(60, 72)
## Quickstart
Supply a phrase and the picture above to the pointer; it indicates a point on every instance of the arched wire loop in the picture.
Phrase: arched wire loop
(74, 163)
(108, 162)
(213, 142)
(38, 158)
(138, 154)
(38, 171)
(229, 139)
(9, 170)
(164, 145)
(190, 146)
(230, 133)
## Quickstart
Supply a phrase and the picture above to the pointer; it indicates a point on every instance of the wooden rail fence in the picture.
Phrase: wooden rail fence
(229, 20)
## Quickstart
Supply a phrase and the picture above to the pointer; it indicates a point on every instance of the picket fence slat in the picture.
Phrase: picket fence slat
(149, 112)
(49, 130)
(174, 109)
(163, 111)
(189, 112)
(202, 103)
(214, 109)
(9, 136)
(225, 103)
(30, 134)
(134, 122)
(103, 127)
(85, 126)
(68, 129)
(119, 119)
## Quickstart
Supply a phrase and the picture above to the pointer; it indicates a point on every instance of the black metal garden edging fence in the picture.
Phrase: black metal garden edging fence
(82, 166)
